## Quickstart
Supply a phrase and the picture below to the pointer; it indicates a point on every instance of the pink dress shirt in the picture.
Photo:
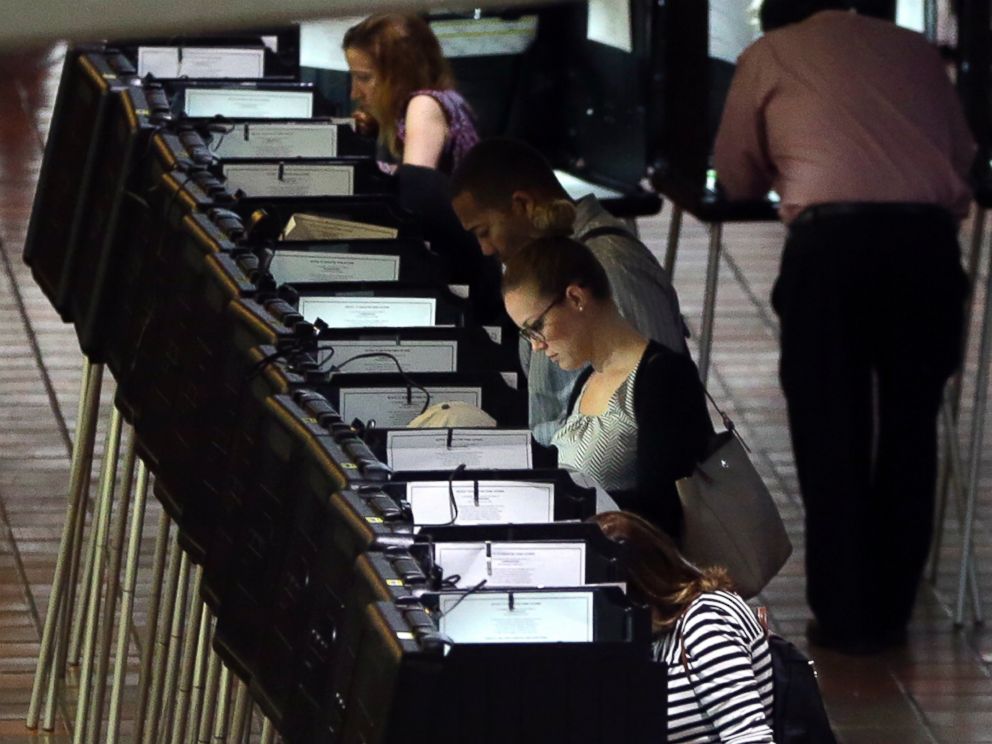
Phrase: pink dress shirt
(844, 108)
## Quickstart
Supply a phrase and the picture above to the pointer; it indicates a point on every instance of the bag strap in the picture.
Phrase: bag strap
(603, 230)
(728, 423)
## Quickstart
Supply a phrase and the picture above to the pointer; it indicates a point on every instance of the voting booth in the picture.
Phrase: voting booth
(90, 79)
(275, 315)
(482, 495)
(421, 680)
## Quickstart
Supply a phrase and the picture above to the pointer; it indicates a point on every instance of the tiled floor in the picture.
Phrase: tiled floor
(937, 690)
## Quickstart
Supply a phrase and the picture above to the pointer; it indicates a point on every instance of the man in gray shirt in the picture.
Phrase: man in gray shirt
(506, 194)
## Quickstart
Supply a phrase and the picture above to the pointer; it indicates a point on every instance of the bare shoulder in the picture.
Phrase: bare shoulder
(424, 108)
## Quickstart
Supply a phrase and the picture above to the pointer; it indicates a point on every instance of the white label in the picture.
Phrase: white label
(301, 267)
(485, 36)
(500, 502)
(317, 227)
(413, 356)
(201, 62)
(576, 187)
(289, 179)
(534, 564)
(370, 312)
(608, 23)
(248, 103)
(394, 408)
(510, 378)
(428, 449)
(290, 140)
(495, 333)
(535, 617)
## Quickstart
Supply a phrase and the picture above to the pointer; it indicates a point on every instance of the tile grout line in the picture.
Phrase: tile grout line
(46, 380)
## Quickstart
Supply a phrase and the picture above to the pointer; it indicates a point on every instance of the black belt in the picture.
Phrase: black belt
(871, 209)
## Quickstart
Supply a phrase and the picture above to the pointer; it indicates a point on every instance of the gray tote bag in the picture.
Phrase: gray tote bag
(730, 517)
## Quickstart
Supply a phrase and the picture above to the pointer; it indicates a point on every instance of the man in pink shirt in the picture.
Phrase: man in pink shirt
(855, 124)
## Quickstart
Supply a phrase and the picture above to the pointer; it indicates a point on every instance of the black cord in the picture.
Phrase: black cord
(222, 132)
(472, 590)
(452, 504)
(261, 364)
(410, 382)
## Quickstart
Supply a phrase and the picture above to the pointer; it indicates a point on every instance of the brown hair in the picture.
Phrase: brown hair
(657, 573)
(552, 264)
(495, 168)
(407, 57)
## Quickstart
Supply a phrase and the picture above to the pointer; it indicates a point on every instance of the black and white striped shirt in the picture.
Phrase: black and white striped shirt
(726, 693)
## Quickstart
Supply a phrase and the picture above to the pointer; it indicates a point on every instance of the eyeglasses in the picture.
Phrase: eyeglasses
(534, 331)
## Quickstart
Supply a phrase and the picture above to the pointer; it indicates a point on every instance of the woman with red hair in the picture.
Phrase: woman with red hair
(404, 87)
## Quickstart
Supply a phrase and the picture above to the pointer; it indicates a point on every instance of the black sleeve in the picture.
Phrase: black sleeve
(673, 432)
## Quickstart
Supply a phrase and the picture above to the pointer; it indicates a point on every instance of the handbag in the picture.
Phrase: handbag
(730, 517)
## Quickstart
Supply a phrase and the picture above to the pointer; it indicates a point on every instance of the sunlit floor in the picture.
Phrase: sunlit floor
(936, 690)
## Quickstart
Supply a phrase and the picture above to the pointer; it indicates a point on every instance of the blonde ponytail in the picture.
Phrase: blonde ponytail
(553, 219)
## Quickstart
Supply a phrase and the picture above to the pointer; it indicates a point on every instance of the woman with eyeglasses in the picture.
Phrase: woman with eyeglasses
(637, 418)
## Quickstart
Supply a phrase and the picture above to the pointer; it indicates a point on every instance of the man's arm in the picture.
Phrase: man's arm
(740, 153)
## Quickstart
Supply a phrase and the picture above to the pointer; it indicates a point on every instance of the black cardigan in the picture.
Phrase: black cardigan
(673, 433)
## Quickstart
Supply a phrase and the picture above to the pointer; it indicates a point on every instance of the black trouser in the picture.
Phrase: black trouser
(871, 308)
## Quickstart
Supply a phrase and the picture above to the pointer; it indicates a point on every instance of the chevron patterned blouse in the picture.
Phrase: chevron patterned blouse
(603, 447)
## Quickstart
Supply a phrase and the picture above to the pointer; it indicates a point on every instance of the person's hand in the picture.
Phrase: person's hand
(366, 124)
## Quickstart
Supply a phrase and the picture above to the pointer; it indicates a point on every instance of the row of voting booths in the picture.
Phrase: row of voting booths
(274, 311)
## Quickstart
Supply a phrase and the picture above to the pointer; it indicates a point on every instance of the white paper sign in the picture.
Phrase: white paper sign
(302, 267)
(500, 502)
(320, 42)
(495, 333)
(201, 62)
(576, 187)
(428, 449)
(485, 36)
(370, 312)
(248, 103)
(286, 140)
(608, 23)
(392, 408)
(413, 356)
(290, 179)
(535, 617)
(533, 564)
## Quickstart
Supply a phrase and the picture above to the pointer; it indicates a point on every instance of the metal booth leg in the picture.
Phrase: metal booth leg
(127, 604)
(153, 706)
(59, 606)
(116, 552)
(975, 449)
(108, 480)
(672, 249)
(150, 647)
(953, 396)
(709, 300)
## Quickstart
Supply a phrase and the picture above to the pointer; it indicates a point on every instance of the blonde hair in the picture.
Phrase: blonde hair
(406, 57)
(554, 219)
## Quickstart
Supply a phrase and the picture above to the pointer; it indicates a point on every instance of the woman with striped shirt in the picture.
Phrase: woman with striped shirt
(719, 663)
